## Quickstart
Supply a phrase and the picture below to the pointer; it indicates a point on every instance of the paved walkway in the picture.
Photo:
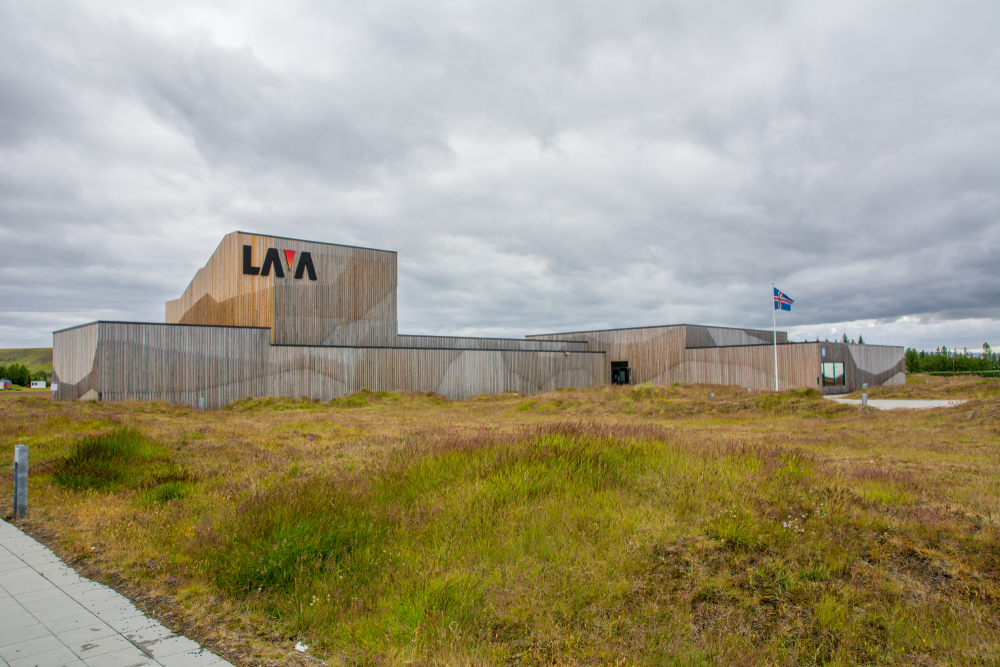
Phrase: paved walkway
(52, 617)
(888, 404)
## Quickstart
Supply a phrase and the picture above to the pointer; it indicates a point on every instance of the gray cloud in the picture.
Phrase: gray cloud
(539, 166)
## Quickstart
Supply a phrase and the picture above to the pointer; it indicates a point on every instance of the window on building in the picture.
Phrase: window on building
(833, 375)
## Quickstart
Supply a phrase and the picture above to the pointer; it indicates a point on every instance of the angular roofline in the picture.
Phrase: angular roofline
(160, 324)
(339, 245)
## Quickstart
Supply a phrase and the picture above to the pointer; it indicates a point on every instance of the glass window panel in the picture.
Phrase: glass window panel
(828, 374)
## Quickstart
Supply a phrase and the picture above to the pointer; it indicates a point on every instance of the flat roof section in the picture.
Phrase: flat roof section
(651, 326)
(160, 324)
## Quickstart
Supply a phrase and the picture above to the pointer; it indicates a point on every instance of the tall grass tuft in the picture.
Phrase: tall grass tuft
(122, 459)
(295, 530)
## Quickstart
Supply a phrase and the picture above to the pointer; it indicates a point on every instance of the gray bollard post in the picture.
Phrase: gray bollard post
(20, 481)
(201, 403)
(864, 395)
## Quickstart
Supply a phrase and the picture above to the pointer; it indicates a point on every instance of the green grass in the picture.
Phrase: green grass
(35, 358)
(121, 459)
(639, 526)
(571, 544)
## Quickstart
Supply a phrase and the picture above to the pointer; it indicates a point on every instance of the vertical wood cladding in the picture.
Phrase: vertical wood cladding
(874, 364)
(752, 366)
(741, 357)
(700, 336)
(655, 354)
(176, 363)
(73, 357)
(115, 361)
(461, 343)
(246, 326)
(327, 372)
(351, 302)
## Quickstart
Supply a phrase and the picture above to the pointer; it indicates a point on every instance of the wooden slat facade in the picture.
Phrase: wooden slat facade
(752, 366)
(351, 302)
(461, 343)
(742, 357)
(233, 335)
(702, 336)
(655, 354)
(186, 363)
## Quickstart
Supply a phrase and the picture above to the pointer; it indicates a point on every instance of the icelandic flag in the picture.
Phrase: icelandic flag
(781, 300)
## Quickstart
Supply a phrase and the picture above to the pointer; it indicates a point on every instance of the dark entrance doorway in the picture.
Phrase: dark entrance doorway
(620, 373)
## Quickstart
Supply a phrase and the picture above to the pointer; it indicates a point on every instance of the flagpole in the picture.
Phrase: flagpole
(774, 324)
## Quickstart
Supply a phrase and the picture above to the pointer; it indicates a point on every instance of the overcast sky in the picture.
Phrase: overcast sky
(539, 166)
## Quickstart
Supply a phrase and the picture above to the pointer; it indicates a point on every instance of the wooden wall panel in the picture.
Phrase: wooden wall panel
(701, 336)
(181, 364)
(655, 354)
(327, 372)
(462, 343)
(185, 363)
(752, 366)
(872, 364)
(353, 300)
(73, 357)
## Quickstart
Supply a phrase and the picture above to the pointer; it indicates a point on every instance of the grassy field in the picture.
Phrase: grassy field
(36, 358)
(625, 525)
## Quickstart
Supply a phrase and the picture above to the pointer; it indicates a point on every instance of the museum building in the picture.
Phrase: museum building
(273, 316)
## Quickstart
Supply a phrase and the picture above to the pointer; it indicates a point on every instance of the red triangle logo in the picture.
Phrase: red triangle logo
(289, 256)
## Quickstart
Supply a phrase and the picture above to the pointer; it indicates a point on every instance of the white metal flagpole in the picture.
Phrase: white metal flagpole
(774, 323)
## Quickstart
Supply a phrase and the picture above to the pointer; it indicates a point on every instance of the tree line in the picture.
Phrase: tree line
(943, 360)
(20, 375)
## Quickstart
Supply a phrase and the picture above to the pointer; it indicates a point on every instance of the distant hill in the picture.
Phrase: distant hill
(35, 358)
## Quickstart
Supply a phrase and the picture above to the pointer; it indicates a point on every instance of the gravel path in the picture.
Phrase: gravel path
(888, 404)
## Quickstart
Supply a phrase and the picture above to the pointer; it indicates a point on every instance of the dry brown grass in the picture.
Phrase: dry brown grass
(646, 525)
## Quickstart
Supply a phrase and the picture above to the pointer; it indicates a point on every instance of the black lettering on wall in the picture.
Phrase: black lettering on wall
(271, 258)
(248, 268)
(305, 264)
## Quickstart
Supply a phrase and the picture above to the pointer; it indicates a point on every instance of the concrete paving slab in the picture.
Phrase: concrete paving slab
(117, 613)
(34, 631)
(46, 603)
(141, 636)
(161, 648)
(190, 659)
(65, 611)
(28, 583)
(125, 625)
(94, 647)
(29, 648)
(19, 621)
(41, 595)
(60, 657)
(82, 636)
(52, 617)
(82, 620)
(127, 657)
